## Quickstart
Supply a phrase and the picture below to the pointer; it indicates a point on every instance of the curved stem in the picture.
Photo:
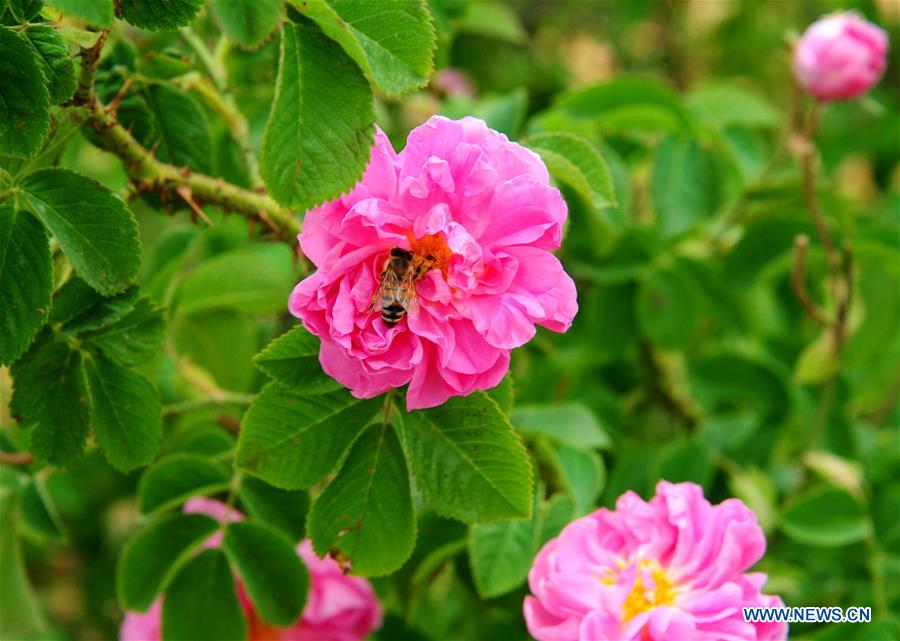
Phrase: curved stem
(148, 172)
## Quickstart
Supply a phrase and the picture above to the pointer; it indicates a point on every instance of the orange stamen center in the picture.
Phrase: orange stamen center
(431, 251)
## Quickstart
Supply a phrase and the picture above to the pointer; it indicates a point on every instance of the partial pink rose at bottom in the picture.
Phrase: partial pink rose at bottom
(671, 569)
(338, 607)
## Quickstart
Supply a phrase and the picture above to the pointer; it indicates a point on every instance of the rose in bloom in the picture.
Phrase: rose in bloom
(338, 607)
(480, 210)
(671, 569)
(840, 56)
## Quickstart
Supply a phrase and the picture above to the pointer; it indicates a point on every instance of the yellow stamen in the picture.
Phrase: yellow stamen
(656, 591)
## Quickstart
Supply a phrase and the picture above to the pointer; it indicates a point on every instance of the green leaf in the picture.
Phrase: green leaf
(667, 308)
(200, 337)
(685, 461)
(504, 113)
(249, 22)
(504, 394)
(628, 103)
(80, 309)
(291, 440)
(293, 360)
(39, 513)
(97, 13)
(50, 392)
(468, 462)
(581, 473)
(574, 161)
(275, 578)
(25, 10)
(684, 185)
(202, 602)
(132, 340)
(571, 423)
(25, 281)
(20, 616)
(283, 509)
(721, 105)
(58, 66)
(559, 511)
(24, 98)
(320, 129)
(158, 16)
(500, 554)
(828, 517)
(178, 477)
(256, 280)
(366, 512)
(95, 229)
(493, 20)
(392, 41)
(183, 131)
(151, 558)
(126, 413)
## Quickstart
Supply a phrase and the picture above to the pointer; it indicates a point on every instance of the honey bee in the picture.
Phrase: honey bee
(397, 286)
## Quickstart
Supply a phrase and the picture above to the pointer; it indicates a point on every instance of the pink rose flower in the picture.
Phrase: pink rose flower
(338, 607)
(480, 212)
(453, 83)
(840, 56)
(669, 570)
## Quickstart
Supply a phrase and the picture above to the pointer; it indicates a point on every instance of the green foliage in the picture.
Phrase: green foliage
(276, 580)
(182, 130)
(24, 98)
(178, 477)
(58, 67)
(318, 85)
(25, 281)
(156, 16)
(292, 359)
(202, 602)
(279, 508)
(573, 161)
(125, 413)
(97, 13)
(95, 229)
(691, 358)
(467, 461)
(684, 185)
(51, 395)
(392, 41)
(828, 517)
(152, 558)
(366, 512)
(283, 424)
(249, 22)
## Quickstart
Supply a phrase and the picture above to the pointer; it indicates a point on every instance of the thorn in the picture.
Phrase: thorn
(185, 192)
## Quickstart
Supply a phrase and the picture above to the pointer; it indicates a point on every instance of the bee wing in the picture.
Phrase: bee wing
(384, 281)
(409, 298)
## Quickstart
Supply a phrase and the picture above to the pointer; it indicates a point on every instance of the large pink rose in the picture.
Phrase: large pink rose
(669, 570)
(483, 208)
(840, 56)
(338, 607)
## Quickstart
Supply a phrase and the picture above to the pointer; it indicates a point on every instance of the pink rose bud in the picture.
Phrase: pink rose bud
(840, 56)
(671, 569)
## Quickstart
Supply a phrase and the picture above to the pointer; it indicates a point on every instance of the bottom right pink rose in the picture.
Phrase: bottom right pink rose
(671, 569)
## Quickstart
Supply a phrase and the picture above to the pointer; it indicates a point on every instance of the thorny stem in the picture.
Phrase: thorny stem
(840, 269)
(798, 280)
(148, 172)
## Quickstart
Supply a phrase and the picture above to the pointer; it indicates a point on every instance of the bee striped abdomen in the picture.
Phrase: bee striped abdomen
(392, 313)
